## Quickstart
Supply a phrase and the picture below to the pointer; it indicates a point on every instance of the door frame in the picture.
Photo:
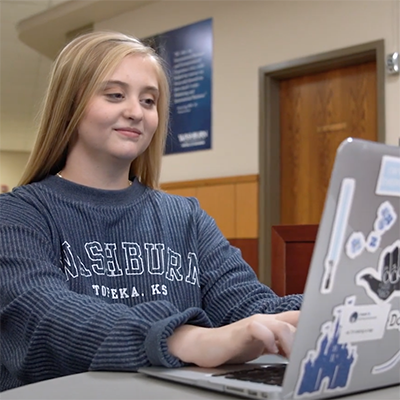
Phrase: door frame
(269, 129)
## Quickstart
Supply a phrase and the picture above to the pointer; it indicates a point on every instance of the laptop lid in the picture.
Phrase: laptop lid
(348, 337)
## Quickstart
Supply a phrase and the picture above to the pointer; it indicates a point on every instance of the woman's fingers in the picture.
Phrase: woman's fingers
(291, 317)
(265, 335)
(238, 342)
(282, 333)
(285, 338)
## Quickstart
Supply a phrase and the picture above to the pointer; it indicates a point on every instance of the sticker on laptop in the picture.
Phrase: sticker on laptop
(373, 242)
(362, 323)
(389, 177)
(338, 232)
(386, 366)
(393, 320)
(386, 217)
(355, 245)
(328, 368)
(383, 284)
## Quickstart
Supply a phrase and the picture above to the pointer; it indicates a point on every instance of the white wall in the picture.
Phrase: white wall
(12, 164)
(252, 34)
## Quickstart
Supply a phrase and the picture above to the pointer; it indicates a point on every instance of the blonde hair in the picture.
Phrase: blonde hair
(78, 70)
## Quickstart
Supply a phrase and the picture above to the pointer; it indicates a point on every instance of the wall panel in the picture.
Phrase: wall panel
(233, 203)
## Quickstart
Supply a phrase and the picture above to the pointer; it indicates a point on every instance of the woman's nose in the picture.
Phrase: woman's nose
(133, 109)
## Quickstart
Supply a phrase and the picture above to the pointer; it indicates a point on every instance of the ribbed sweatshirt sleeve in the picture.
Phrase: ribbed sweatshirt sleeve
(230, 288)
(48, 330)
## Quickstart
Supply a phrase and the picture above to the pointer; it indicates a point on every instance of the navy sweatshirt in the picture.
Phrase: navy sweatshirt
(98, 280)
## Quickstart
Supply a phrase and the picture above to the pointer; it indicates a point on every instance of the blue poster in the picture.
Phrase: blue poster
(187, 52)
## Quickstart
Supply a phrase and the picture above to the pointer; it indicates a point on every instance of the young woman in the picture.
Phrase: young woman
(100, 270)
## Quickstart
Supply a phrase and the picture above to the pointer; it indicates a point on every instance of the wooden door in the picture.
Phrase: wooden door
(317, 112)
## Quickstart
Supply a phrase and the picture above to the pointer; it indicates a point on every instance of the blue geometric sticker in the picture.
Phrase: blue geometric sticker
(386, 217)
(327, 369)
(373, 242)
(355, 244)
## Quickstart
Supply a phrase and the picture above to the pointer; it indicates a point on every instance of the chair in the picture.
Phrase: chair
(249, 249)
(292, 248)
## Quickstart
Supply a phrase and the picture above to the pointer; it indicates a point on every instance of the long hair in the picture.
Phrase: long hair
(78, 70)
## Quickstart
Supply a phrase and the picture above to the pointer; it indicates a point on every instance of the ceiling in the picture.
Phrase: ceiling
(31, 34)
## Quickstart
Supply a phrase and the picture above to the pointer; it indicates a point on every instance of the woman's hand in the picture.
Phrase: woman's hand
(291, 317)
(238, 342)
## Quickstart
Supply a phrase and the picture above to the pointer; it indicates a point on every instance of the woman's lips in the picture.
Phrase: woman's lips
(129, 132)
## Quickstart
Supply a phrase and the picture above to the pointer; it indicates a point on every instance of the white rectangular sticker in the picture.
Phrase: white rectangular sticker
(361, 323)
(389, 177)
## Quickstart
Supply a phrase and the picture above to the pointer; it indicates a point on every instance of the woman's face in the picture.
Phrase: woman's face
(121, 118)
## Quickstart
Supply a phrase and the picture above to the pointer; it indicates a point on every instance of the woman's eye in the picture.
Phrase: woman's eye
(115, 96)
(149, 102)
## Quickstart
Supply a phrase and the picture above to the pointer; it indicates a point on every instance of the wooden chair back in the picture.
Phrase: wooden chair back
(292, 248)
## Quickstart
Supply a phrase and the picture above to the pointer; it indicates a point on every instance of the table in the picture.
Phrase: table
(130, 385)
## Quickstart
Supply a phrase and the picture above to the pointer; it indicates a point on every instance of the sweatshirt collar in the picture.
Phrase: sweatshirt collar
(72, 191)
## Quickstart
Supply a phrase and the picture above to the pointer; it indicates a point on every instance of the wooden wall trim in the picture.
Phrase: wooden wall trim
(231, 201)
(210, 182)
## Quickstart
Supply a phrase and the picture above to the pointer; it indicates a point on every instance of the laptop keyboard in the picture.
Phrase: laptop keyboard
(267, 374)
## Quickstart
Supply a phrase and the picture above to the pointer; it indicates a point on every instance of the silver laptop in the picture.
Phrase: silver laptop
(348, 336)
